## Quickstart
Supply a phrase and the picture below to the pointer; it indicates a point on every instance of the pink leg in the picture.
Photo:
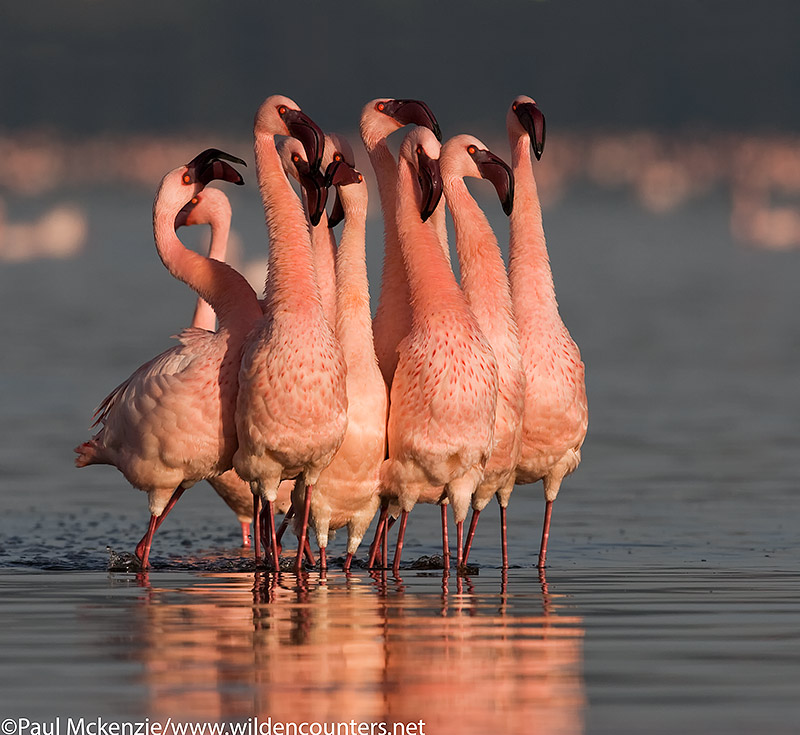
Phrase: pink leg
(245, 535)
(385, 550)
(348, 560)
(459, 547)
(323, 560)
(310, 554)
(473, 524)
(256, 529)
(548, 510)
(284, 525)
(377, 541)
(504, 536)
(445, 540)
(147, 539)
(400, 536)
(298, 566)
(276, 554)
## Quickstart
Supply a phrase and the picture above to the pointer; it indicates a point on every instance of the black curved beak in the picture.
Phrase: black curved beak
(340, 173)
(183, 215)
(211, 164)
(495, 169)
(313, 183)
(532, 119)
(302, 127)
(413, 112)
(430, 182)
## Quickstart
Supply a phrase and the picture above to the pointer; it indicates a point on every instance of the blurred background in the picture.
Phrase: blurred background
(670, 180)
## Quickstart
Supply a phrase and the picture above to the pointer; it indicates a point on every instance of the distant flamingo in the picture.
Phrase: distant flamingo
(556, 415)
(292, 406)
(171, 424)
(444, 392)
(346, 493)
(379, 119)
(485, 284)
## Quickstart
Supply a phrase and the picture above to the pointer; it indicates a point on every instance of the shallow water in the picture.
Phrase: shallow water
(670, 602)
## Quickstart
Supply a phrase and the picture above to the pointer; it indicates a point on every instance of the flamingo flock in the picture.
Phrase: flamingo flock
(300, 402)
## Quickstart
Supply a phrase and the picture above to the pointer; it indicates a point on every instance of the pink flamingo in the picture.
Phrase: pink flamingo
(171, 423)
(485, 284)
(379, 119)
(556, 415)
(291, 411)
(212, 207)
(444, 392)
(346, 493)
(323, 244)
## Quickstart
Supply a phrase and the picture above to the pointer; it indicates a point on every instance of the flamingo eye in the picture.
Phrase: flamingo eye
(295, 158)
(360, 178)
(380, 107)
(472, 150)
(337, 156)
(282, 110)
(514, 107)
(195, 200)
(187, 179)
(420, 149)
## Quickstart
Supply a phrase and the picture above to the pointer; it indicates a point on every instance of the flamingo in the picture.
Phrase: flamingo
(212, 207)
(485, 284)
(171, 423)
(444, 392)
(346, 493)
(379, 119)
(556, 414)
(291, 411)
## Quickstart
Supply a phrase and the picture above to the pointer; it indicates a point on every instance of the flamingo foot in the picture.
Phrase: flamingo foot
(143, 547)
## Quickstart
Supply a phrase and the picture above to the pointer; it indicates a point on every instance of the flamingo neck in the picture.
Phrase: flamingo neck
(323, 250)
(204, 316)
(431, 281)
(228, 293)
(291, 281)
(353, 316)
(483, 273)
(529, 271)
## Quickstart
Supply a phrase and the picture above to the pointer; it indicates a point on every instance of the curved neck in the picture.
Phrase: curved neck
(291, 282)
(204, 316)
(431, 281)
(529, 265)
(483, 273)
(229, 294)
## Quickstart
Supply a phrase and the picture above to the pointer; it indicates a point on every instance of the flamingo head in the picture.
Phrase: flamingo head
(279, 115)
(524, 116)
(312, 180)
(204, 208)
(421, 150)
(382, 116)
(209, 165)
(340, 170)
(465, 155)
